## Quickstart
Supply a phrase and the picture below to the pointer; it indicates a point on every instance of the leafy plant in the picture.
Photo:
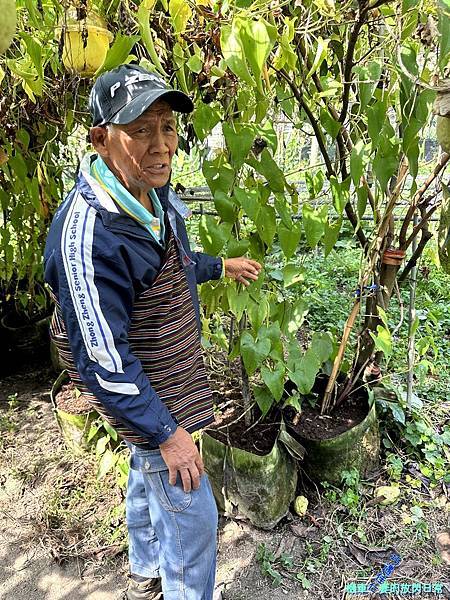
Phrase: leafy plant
(109, 451)
(279, 567)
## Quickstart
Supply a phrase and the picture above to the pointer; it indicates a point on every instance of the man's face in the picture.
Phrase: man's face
(136, 151)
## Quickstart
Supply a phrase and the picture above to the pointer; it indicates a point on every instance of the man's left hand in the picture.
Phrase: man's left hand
(242, 269)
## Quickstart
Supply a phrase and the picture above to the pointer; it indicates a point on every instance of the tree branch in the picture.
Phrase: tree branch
(417, 196)
(314, 124)
(348, 64)
(425, 237)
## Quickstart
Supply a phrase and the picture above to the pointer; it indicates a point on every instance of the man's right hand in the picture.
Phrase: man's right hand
(181, 456)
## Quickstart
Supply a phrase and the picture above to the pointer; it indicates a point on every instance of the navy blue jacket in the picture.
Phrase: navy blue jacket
(97, 261)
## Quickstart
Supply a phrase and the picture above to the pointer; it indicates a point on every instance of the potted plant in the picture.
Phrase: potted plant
(86, 40)
(74, 414)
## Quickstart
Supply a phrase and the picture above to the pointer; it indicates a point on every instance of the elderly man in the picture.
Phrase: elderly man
(127, 325)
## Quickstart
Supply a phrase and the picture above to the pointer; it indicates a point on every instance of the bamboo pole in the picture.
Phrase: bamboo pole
(412, 317)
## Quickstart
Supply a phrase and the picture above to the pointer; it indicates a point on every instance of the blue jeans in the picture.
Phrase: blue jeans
(172, 534)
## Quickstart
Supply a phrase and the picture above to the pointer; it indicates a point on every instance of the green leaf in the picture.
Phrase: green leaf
(249, 200)
(314, 223)
(376, 116)
(385, 163)
(305, 373)
(292, 274)
(119, 52)
(273, 333)
(204, 120)
(213, 235)
(362, 194)
(300, 310)
(181, 14)
(110, 430)
(444, 45)
(322, 346)
(274, 379)
(331, 235)
(383, 316)
(331, 126)
(34, 50)
(340, 193)
(408, 56)
(368, 77)
(258, 312)
(266, 224)
(284, 209)
(219, 174)
(383, 340)
(237, 301)
(264, 399)
(107, 462)
(258, 39)
(93, 431)
(357, 162)
(225, 207)
(195, 63)
(238, 142)
(253, 353)
(289, 238)
(143, 17)
(269, 169)
(101, 445)
(233, 50)
(321, 53)
(237, 248)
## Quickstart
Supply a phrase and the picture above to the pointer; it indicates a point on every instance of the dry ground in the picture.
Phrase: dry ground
(62, 533)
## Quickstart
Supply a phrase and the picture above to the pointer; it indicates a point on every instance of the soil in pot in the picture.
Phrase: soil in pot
(68, 400)
(314, 426)
(347, 438)
(230, 429)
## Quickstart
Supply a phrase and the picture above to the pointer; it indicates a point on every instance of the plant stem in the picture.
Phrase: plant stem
(412, 316)
(246, 395)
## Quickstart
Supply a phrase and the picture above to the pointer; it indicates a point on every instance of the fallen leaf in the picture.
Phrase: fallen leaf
(303, 531)
(370, 556)
(388, 494)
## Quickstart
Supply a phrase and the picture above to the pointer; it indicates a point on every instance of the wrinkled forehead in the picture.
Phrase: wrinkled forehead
(160, 108)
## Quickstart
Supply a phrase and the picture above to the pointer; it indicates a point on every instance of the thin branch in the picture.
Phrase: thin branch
(314, 124)
(426, 236)
(418, 195)
(342, 133)
(422, 224)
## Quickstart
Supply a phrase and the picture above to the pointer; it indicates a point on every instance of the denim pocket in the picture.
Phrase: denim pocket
(172, 498)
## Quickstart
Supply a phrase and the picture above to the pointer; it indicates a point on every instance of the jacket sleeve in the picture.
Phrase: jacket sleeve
(206, 267)
(91, 279)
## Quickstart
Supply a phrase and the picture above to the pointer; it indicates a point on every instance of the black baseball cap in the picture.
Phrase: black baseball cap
(121, 95)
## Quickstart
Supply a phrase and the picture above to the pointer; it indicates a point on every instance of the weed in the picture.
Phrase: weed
(278, 568)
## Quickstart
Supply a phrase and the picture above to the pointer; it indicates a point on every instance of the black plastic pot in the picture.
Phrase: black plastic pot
(23, 338)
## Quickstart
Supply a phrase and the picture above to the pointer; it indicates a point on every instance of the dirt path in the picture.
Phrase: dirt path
(51, 508)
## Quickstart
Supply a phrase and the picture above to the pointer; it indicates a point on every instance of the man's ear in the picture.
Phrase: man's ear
(99, 138)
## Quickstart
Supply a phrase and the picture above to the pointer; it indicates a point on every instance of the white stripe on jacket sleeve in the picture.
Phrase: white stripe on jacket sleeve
(130, 389)
(76, 249)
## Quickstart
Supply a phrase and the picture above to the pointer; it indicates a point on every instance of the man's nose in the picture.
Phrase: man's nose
(157, 141)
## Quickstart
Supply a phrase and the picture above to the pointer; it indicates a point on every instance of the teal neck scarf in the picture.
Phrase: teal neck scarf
(109, 182)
